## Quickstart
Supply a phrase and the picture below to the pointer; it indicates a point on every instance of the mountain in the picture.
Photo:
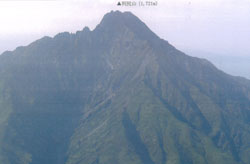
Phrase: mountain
(119, 95)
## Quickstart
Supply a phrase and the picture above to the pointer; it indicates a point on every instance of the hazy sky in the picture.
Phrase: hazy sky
(216, 26)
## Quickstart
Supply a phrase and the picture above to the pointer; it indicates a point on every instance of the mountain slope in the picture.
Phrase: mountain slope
(119, 94)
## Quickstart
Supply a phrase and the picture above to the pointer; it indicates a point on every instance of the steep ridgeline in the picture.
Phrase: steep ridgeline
(119, 95)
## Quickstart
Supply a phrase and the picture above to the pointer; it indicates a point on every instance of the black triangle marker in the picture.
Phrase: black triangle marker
(119, 4)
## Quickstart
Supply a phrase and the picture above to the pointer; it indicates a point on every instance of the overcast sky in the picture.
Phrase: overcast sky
(216, 26)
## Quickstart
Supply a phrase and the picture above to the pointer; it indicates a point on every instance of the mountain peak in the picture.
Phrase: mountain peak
(116, 18)
(119, 16)
(115, 21)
